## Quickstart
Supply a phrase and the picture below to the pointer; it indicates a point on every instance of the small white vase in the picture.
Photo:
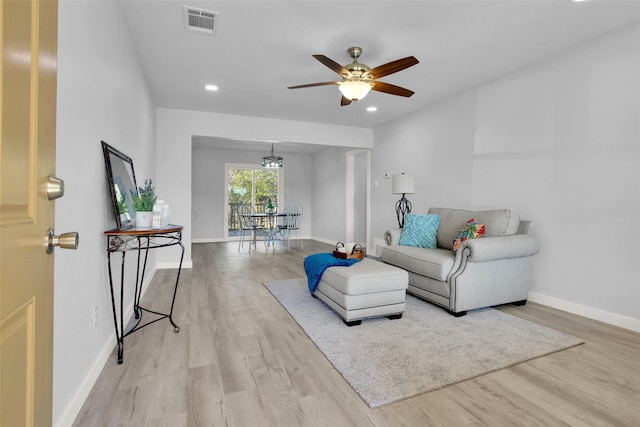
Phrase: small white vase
(144, 219)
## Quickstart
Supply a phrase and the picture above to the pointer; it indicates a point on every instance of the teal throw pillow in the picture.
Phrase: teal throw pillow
(420, 230)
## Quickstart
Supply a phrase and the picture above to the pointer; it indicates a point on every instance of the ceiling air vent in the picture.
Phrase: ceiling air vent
(199, 20)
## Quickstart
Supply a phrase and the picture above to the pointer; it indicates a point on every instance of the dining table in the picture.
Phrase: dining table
(271, 225)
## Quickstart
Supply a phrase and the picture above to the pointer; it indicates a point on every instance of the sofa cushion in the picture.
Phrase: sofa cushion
(501, 222)
(434, 263)
(471, 230)
(420, 230)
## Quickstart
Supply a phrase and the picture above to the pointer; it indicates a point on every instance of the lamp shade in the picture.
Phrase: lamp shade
(402, 184)
(354, 90)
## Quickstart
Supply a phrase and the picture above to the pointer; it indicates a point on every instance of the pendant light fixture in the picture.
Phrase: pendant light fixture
(271, 161)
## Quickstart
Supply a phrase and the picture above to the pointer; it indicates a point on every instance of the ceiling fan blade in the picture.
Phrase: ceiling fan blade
(391, 89)
(344, 101)
(313, 84)
(333, 65)
(391, 67)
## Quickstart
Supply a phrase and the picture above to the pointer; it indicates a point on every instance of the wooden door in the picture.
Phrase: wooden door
(27, 158)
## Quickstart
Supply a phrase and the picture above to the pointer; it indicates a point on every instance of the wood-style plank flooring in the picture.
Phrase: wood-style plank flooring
(241, 360)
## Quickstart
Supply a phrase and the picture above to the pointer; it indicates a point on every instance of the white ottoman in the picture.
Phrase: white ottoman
(366, 289)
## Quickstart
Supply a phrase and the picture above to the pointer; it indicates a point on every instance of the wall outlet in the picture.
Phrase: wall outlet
(94, 317)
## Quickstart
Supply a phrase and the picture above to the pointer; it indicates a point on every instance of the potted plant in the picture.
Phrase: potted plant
(143, 201)
(271, 208)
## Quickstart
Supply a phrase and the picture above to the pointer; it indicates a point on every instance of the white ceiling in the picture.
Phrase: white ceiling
(261, 47)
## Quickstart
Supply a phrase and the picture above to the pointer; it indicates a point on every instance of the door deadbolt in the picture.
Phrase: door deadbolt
(64, 241)
(55, 187)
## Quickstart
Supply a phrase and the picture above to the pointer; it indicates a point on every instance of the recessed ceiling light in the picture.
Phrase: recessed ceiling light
(372, 109)
(211, 87)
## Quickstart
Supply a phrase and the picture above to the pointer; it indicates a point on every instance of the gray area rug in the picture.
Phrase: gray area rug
(388, 360)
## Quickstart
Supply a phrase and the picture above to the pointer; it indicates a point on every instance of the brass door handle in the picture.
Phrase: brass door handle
(65, 240)
(55, 187)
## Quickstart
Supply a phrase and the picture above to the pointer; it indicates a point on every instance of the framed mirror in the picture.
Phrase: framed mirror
(120, 178)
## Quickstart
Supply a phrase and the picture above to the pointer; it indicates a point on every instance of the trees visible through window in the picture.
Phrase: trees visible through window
(254, 187)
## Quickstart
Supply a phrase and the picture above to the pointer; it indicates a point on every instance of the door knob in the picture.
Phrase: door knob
(65, 240)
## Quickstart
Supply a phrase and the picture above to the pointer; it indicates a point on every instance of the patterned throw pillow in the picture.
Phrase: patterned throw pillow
(471, 230)
(420, 230)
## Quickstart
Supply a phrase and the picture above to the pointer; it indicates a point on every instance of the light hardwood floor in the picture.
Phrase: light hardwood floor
(240, 360)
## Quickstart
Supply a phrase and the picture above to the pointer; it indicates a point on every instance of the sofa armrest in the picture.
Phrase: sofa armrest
(502, 247)
(392, 236)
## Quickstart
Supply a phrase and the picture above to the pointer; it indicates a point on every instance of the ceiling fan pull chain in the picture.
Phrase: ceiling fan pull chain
(354, 114)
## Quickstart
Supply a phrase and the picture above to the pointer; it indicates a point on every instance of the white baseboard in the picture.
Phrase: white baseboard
(75, 405)
(216, 240)
(568, 306)
(586, 311)
(167, 265)
(72, 411)
(323, 240)
(235, 239)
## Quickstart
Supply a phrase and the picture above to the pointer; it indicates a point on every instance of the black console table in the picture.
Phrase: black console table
(140, 240)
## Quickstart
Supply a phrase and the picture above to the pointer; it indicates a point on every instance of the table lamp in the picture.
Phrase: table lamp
(402, 184)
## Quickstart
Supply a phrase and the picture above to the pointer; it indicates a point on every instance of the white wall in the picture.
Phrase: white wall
(328, 195)
(102, 95)
(557, 141)
(360, 197)
(208, 185)
(174, 169)
(574, 172)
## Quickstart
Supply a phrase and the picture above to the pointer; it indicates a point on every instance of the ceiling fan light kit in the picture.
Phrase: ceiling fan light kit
(354, 90)
(358, 79)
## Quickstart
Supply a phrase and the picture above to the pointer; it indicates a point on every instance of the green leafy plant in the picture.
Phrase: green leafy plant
(144, 198)
(122, 206)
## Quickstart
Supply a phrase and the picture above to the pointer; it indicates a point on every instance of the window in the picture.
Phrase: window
(250, 185)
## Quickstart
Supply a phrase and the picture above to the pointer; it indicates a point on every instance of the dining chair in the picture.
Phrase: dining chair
(247, 224)
(292, 222)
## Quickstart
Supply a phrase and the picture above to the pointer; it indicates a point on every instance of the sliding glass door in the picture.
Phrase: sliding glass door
(250, 185)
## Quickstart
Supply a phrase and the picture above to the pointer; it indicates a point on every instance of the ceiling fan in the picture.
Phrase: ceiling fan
(358, 79)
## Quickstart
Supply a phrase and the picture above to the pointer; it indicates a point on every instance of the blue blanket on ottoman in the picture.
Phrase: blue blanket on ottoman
(316, 264)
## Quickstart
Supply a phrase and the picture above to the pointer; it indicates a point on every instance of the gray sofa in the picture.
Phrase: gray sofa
(491, 270)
